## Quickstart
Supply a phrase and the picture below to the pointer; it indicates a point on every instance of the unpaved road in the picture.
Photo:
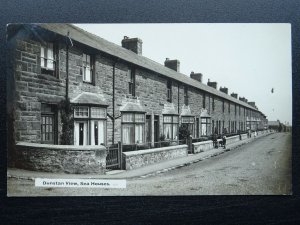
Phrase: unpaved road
(257, 168)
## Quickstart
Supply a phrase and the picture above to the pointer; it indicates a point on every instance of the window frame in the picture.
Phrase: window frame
(207, 124)
(186, 95)
(189, 123)
(89, 118)
(169, 90)
(53, 115)
(134, 123)
(131, 83)
(91, 68)
(45, 58)
(172, 125)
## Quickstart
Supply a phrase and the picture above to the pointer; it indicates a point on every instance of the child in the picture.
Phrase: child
(224, 141)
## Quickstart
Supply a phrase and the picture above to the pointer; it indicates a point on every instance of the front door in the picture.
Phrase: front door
(148, 129)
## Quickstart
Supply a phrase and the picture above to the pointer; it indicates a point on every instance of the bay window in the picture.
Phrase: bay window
(205, 126)
(189, 121)
(89, 125)
(133, 128)
(170, 124)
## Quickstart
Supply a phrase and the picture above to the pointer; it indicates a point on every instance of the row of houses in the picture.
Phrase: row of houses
(116, 93)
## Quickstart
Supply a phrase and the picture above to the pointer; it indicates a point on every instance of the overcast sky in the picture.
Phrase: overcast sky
(248, 59)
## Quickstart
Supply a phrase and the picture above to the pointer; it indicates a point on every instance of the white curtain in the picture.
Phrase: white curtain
(42, 56)
(168, 131)
(101, 132)
(139, 133)
(127, 133)
(92, 132)
(88, 74)
(50, 57)
(175, 131)
(203, 129)
(76, 133)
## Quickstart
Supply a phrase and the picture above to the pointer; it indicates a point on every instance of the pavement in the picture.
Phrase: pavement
(142, 172)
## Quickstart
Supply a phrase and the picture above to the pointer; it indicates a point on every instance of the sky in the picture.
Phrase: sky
(248, 59)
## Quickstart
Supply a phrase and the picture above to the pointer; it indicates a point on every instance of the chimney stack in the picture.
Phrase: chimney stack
(173, 64)
(212, 84)
(235, 95)
(196, 76)
(224, 90)
(252, 104)
(132, 44)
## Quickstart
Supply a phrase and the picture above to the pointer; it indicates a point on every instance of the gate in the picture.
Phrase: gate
(114, 157)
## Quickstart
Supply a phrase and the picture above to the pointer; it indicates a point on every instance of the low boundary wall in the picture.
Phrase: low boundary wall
(61, 158)
(208, 145)
(137, 159)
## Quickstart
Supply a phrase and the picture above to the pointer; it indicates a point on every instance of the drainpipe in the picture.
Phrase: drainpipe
(113, 119)
(67, 71)
(69, 41)
(178, 100)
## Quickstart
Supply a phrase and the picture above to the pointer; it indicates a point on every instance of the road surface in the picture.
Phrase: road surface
(257, 168)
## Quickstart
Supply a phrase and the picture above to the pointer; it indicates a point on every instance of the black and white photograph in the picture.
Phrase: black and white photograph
(160, 109)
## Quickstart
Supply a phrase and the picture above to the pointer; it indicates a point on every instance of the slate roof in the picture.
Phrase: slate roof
(132, 107)
(89, 99)
(103, 45)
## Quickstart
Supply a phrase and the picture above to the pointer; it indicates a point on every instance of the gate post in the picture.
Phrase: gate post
(120, 155)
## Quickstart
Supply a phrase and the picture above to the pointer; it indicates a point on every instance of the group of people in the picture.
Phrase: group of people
(215, 140)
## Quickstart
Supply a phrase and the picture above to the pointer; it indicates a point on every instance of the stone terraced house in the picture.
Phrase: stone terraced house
(117, 94)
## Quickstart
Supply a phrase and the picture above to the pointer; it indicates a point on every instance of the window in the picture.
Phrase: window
(223, 127)
(87, 68)
(213, 104)
(203, 101)
(239, 110)
(229, 127)
(189, 122)
(171, 127)
(48, 59)
(186, 97)
(89, 125)
(228, 107)
(169, 91)
(48, 124)
(131, 83)
(213, 127)
(235, 109)
(133, 128)
(81, 112)
(223, 105)
(205, 126)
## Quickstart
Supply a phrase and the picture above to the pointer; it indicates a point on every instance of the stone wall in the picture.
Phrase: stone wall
(61, 158)
(137, 159)
(202, 146)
